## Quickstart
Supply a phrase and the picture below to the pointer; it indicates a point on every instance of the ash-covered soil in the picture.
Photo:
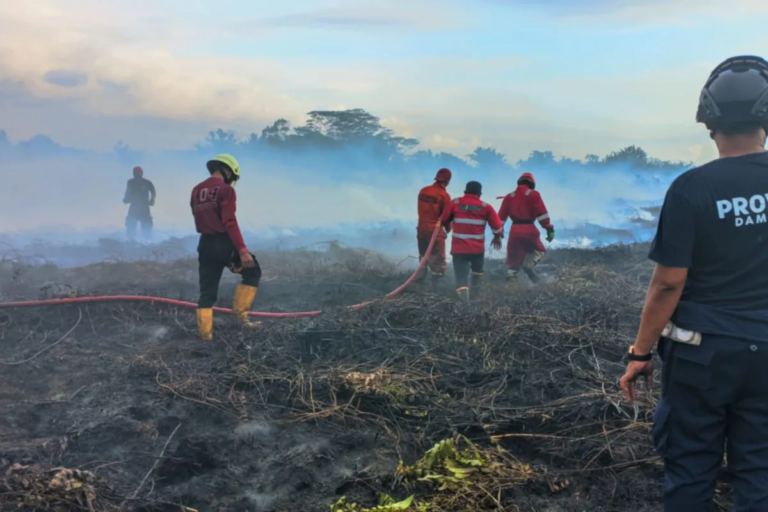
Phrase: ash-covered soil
(117, 406)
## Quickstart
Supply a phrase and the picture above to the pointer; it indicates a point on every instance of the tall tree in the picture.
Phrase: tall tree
(277, 131)
(345, 125)
(591, 159)
(631, 155)
(538, 159)
(488, 159)
(219, 141)
(428, 161)
(399, 144)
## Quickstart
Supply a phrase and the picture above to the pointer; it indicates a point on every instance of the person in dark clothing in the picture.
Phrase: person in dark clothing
(140, 195)
(707, 304)
(221, 244)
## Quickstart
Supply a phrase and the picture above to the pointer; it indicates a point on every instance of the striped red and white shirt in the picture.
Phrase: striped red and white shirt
(468, 216)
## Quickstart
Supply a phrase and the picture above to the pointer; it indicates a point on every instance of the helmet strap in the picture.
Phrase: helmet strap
(226, 174)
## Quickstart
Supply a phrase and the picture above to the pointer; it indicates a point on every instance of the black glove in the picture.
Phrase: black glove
(550, 234)
(236, 265)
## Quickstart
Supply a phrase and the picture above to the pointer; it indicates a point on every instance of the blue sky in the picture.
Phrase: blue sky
(517, 75)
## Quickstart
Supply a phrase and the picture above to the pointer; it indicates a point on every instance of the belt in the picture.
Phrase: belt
(675, 333)
(522, 222)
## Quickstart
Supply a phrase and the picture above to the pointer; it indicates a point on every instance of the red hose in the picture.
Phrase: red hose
(142, 298)
(413, 277)
(162, 300)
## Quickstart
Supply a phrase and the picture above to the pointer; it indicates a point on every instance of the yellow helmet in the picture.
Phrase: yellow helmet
(228, 160)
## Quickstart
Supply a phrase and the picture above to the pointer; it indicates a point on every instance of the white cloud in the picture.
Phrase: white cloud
(135, 76)
(643, 12)
(150, 74)
(445, 143)
(696, 152)
(371, 17)
(145, 86)
(147, 75)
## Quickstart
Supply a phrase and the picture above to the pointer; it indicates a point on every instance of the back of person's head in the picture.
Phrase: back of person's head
(740, 129)
(474, 187)
(734, 101)
(443, 176)
(227, 166)
(527, 179)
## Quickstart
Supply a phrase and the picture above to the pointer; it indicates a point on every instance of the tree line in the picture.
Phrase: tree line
(352, 140)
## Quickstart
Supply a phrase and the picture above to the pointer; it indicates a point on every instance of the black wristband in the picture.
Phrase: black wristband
(635, 357)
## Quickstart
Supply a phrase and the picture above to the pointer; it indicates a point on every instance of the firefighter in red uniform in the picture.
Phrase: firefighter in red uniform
(524, 207)
(221, 244)
(468, 216)
(433, 201)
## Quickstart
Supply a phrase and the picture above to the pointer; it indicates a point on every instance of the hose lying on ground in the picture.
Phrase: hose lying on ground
(172, 302)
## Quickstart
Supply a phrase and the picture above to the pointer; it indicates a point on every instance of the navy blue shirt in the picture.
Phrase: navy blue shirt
(713, 222)
(139, 192)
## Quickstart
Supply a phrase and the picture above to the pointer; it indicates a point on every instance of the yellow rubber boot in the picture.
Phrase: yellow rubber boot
(205, 323)
(242, 302)
(463, 293)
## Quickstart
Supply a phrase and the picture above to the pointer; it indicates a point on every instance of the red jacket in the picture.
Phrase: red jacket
(524, 206)
(469, 215)
(213, 205)
(433, 200)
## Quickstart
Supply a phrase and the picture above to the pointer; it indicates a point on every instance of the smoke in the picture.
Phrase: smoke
(85, 193)
(76, 198)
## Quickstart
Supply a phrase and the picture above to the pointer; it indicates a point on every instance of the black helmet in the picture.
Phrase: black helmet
(736, 93)
(473, 187)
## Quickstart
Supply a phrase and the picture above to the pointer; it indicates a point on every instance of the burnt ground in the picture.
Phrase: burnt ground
(117, 406)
